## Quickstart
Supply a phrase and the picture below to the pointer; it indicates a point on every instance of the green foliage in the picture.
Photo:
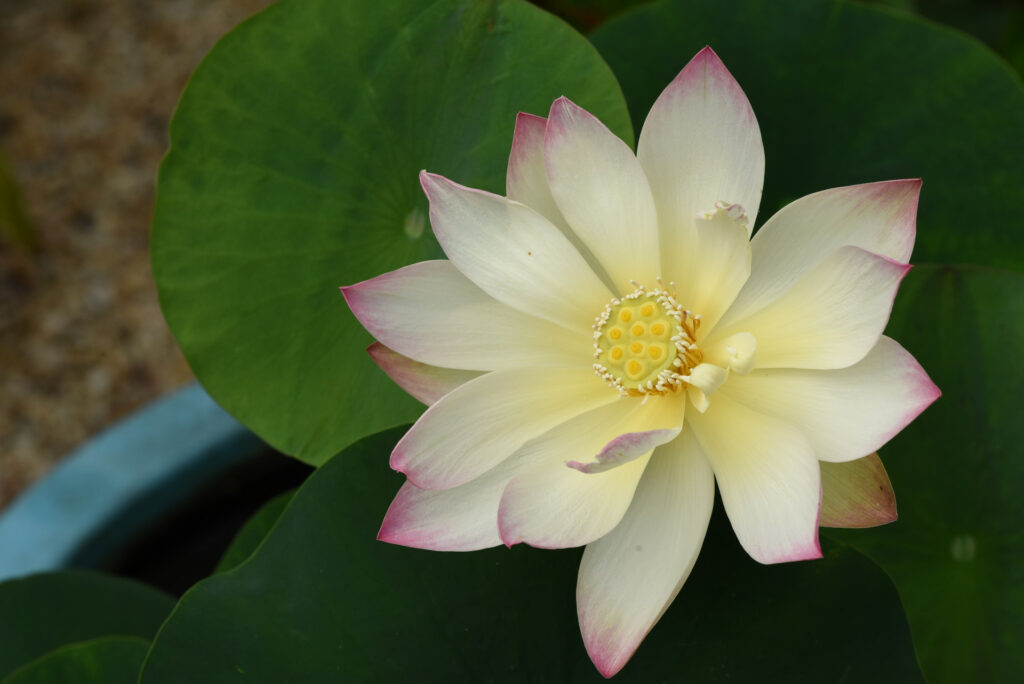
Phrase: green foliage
(849, 94)
(293, 170)
(252, 533)
(108, 660)
(43, 612)
(322, 600)
(955, 552)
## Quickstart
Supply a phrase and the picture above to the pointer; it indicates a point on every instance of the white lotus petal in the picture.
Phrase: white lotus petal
(630, 576)
(481, 423)
(514, 254)
(435, 315)
(700, 145)
(709, 286)
(527, 179)
(553, 505)
(849, 412)
(877, 217)
(466, 517)
(603, 194)
(768, 477)
(831, 318)
(425, 383)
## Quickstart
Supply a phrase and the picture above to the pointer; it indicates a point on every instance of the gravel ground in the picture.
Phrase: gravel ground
(87, 88)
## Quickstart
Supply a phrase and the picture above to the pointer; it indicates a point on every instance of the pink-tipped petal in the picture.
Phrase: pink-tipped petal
(514, 254)
(848, 412)
(463, 518)
(481, 423)
(856, 494)
(629, 577)
(433, 314)
(425, 383)
(831, 318)
(527, 180)
(602, 192)
(768, 477)
(555, 506)
(700, 145)
(877, 217)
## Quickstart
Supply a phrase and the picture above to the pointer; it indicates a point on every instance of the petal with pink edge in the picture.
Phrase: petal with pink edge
(527, 180)
(514, 254)
(629, 577)
(425, 383)
(768, 478)
(700, 145)
(877, 217)
(465, 518)
(433, 314)
(553, 505)
(856, 494)
(849, 412)
(831, 318)
(603, 194)
(483, 422)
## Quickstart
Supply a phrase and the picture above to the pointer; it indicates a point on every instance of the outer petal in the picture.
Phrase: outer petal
(426, 383)
(700, 144)
(527, 179)
(433, 314)
(877, 217)
(556, 506)
(480, 424)
(830, 319)
(845, 413)
(603, 194)
(514, 254)
(465, 518)
(856, 494)
(768, 477)
(629, 577)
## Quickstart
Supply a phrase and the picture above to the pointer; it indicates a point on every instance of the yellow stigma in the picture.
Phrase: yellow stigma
(644, 343)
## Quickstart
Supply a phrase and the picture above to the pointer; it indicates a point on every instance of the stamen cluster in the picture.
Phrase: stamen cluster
(644, 343)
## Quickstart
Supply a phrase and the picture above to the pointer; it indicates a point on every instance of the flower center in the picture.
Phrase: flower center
(644, 343)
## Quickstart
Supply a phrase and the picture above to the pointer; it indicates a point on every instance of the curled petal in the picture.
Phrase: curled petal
(856, 494)
(710, 284)
(629, 577)
(707, 378)
(553, 505)
(737, 352)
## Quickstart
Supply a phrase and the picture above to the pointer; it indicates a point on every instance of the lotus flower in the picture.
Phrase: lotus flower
(606, 343)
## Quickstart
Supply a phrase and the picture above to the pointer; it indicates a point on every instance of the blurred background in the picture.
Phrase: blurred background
(87, 88)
